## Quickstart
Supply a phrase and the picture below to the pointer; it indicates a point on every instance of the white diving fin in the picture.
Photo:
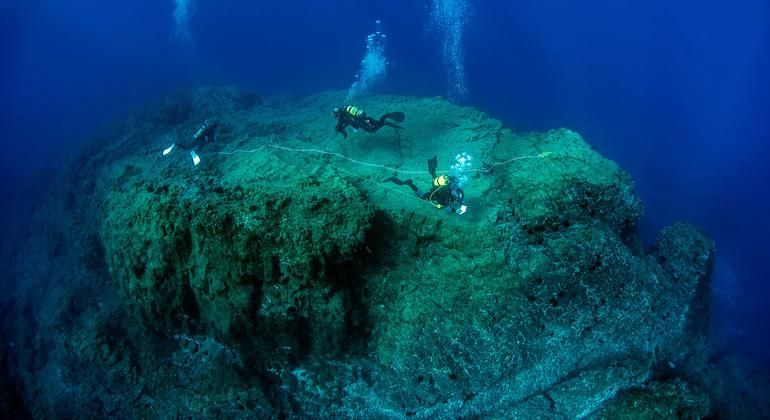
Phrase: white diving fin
(169, 149)
(196, 159)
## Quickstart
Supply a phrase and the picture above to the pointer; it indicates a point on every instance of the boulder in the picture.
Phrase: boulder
(287, 270)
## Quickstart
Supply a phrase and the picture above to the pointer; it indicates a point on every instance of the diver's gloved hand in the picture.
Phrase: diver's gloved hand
(462, 209)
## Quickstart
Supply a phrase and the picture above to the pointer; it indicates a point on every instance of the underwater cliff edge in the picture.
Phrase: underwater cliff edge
(284, 276)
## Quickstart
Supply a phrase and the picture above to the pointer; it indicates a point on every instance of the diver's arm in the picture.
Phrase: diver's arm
(340, 128)
(458, 204)
(454, 200)
(211, 135)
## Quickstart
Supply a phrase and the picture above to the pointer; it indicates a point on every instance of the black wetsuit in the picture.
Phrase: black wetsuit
(351, 116)
(449, 195)
(205, 134)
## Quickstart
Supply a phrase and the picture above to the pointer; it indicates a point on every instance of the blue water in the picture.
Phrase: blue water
(677, 93)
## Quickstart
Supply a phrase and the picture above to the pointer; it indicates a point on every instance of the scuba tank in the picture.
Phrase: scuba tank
(205, 126)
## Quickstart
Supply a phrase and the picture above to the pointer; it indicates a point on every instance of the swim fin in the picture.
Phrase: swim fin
(390, 124)
(395, 116)
(169, 149)
(196, 159)
(432, 165)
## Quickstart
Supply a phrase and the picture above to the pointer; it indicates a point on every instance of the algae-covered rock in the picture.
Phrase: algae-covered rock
(323, 290)
(552, 286)
(239, 262)
(570, 184)
(675, 399)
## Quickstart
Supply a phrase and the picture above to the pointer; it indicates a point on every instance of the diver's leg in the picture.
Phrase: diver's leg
(186, 146)
(371, 125)
(397, 181)
(193, 145)
(415, 189)
(419, 192)
(395, 116)
(183, 146)
(408, 182)
(191, 148)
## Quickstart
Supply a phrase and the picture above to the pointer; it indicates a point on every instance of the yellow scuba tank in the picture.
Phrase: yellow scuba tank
(440, 181)
(353, 111)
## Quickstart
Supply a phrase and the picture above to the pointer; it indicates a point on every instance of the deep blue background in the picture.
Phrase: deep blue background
(678, 93)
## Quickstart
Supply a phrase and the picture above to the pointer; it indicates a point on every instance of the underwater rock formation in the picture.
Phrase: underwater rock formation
(284, 276)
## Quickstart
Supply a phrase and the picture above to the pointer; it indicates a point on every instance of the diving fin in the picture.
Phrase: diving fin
(390, 124)
(196, 159)
(169, 149)
(432, 165)
(408, 182)
(395, 116)
(397, 181)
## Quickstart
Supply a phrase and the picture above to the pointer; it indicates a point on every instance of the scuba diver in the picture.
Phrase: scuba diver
(205, 134)
(445, 192)
(357, 118)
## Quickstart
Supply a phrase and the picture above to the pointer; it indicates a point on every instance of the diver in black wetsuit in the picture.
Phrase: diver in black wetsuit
(206, 134)
(444, 193)
(357, 118)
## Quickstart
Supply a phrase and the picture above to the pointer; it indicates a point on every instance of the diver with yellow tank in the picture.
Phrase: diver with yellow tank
(446, 191)
(357, 119)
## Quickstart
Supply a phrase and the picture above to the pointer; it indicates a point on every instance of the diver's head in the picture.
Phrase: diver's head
(336, 112)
